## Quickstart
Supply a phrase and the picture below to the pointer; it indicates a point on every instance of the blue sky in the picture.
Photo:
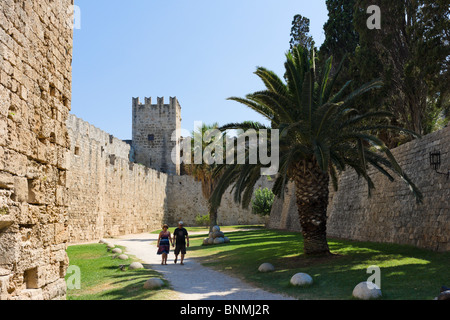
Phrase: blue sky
(201, 51)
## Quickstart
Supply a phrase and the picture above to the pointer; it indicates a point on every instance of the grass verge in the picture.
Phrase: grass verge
(102, 279)
(407, 273)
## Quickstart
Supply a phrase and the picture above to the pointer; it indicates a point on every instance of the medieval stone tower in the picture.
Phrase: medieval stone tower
(156, 134)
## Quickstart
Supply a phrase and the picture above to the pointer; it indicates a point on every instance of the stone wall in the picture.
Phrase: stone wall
(186, 201)
(108, 195)
(391, 214)
(35, 94)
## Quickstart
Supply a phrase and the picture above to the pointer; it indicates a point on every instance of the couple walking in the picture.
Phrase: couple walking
(180, 235)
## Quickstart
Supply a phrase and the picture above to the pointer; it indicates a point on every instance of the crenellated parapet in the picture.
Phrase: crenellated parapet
(154, 126)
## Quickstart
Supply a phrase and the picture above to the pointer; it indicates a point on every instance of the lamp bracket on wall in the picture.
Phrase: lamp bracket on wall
(435, 163)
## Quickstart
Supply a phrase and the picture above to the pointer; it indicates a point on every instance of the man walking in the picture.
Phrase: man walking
(180, 236)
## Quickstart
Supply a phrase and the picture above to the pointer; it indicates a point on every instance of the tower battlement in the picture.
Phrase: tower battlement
(154, 126)
(173, 103)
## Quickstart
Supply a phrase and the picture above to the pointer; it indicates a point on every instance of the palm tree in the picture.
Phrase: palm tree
(203, 171)
(321, 135)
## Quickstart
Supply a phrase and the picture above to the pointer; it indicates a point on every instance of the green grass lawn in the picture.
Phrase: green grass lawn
(407, 272)
(101, 278)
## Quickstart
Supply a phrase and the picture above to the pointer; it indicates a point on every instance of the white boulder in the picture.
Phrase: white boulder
(266, 267)
(301, 279)
(153, 283)
(116, 250)
(366, 291)
(136, 265)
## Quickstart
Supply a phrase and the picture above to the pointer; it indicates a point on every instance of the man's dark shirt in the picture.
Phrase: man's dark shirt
(180, 235)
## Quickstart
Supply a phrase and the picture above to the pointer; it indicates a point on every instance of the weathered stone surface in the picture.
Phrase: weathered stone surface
(266, 267)
(135, 266)
(35, 95)
(301, 279)
(123, 257)
(219, 240)
(366, 291)
(116, 250)
(153, 283)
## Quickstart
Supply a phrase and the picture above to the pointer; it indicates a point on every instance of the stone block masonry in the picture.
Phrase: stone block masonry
(154, 126)
(109, 195)
(35, 94)
(391, 215)
(186, 201)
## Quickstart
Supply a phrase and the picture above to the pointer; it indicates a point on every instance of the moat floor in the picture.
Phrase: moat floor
(191, 281)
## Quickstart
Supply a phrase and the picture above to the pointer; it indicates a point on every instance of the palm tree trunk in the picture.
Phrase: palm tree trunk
(312, 202)
(212, 217)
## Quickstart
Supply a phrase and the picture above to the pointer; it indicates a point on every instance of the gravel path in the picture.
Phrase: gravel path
(191, 281)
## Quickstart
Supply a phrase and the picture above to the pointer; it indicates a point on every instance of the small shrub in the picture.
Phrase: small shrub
(262, 202)
(202, 220)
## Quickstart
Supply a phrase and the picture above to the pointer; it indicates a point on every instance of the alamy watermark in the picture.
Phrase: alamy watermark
(374, 281)
(374, 21)
(73, 281)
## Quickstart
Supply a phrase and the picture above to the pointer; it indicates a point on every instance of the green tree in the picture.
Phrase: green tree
(262, 202)
(203, 171)
(320, 136)
(300, 33)
(411, 52)
(341, 37)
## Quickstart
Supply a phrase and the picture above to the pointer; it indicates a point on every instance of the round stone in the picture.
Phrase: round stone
(216, 229)
(266, 267)
(123, 257)
(226, 239)
(211, 241)
(367, 290)
(117, 250)
(135, 266)
(218, 234)
(103, 241)
(219, 240)
(301, 279)
(153, 283)
(206, 241)
(109, 245)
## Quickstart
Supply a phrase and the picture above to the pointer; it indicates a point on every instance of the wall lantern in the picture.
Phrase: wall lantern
(435, 163)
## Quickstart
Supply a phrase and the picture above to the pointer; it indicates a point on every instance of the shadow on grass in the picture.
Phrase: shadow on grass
(406, 272)
(130, 285)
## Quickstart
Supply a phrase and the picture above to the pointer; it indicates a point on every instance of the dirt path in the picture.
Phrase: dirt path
(192, 281)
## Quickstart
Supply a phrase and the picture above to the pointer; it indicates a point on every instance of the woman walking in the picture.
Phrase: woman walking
(164, 242)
